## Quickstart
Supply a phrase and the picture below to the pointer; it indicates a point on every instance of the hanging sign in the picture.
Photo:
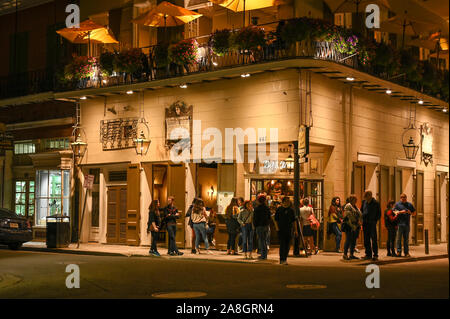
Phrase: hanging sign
(303, 141)
(427, 144)
(88, 181)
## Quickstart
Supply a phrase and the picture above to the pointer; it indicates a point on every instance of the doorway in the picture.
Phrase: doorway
(383, 198)
(441, 207)
(116, 232)
(418, 220)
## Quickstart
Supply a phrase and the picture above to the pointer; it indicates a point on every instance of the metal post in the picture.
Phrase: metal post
(297, 194)
(427, 248)
(82, 218)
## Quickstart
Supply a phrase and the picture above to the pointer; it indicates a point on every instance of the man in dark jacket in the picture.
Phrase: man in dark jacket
(171, 215)
(261, 221)
(371, 214)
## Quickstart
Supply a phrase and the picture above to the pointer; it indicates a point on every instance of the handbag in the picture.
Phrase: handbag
(314, 222)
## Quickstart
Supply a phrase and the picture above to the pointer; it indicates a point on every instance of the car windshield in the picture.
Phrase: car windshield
(4, 213)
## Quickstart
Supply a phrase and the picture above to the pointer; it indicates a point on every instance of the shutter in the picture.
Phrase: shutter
(112, 225)
(133, 205)
(437, 210)
(177, 188)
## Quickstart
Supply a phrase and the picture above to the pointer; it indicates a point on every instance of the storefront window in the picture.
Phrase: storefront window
(52, 194)
(24, 198)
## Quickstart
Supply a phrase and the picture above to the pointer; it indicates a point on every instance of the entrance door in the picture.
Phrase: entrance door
(441, 207)
(116, 232)
(358, 189)
(418, 220)
(383, 192)
(133, 205)
(177, 188)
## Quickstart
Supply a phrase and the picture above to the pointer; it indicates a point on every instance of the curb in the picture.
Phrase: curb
(404, 260)
(72, 252)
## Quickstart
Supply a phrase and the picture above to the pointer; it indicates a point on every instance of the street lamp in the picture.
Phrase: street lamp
(79, 147)
(142, 143)
(410, 148)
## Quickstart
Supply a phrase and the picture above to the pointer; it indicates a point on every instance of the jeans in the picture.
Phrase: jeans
(155, 236)
(390, 243)
(231, 244)
(172, 231)
(210, 232)
(200, 232)
(285, 241)
(247, 238)
(403, 232)
(262, 232)
(350, 241)
(370, 239)
(337, 232)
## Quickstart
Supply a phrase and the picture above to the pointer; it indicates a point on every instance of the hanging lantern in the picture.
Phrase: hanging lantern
(79, 146)
(410, 148)
(142, 142)
(289, 161)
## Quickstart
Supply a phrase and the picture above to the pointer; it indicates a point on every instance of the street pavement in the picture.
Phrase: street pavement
(37, 274)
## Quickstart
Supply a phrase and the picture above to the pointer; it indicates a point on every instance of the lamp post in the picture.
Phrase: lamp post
(79, 148)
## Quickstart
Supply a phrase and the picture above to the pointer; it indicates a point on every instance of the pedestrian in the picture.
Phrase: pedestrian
(212, 223)
(261, 221)
(199, 218)
(241, 207)
(334, 220)
(390, 222)
(404, 211)
(233, 227)
(306, 212)
(191, 225)
(371, 214)
(153, 225)
(351, 226)
(171, 215)
(285, 218)
(245, 219)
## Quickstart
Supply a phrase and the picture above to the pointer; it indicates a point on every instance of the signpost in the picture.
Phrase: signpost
(88, 184)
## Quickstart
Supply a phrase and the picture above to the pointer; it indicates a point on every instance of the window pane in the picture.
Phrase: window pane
(31, 186)
(55, 206)
(66, 177)
(20, 210)
(20, 198)
(20, 186)
(42, 184)
(31, 198)
(66, 206)
(55, 184)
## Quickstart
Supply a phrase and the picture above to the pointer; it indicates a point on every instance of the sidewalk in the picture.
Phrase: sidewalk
(321, 259)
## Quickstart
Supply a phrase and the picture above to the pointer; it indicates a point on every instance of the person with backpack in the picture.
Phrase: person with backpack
(390, 222)
(245, 219)
(153, 226)
(284, 218)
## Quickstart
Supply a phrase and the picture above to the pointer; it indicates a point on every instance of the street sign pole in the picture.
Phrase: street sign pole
(297, 194)
(88, 183)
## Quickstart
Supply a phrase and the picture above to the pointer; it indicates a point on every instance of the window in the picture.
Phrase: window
(52, 194)
(24, 147)
(57, 144)
(24, 198)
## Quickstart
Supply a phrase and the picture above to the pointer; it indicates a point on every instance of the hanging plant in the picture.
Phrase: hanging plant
(346, 44)
(129, 61)
(106, 63)
(162, 58)
(220, 42)
(184, 52)
(249, 38)
(81, 67)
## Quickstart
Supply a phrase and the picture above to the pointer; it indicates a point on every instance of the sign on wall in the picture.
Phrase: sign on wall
(426, 133)
(178, 119)
(303, 141)
(119, 133)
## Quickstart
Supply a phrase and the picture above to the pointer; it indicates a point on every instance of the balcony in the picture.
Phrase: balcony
(301, 38)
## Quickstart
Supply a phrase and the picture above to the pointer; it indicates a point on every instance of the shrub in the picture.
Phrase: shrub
(249, 38)
(220, 42)
(129, 61)
(81, 67)
(184, 52)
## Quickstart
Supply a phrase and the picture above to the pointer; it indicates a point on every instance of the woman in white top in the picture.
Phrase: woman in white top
(308, 233)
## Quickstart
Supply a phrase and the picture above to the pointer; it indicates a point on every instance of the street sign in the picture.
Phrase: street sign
(88, 181)
(303, 141)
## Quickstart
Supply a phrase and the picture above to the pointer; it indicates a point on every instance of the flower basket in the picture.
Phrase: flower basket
(184, 53)
(129, 62)
(106, 63)
(249, 39)
(220, 42)
(81, 67)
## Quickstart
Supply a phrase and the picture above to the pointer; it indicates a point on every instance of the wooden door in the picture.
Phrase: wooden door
(133, 205)
(418, 220)
(177, 188)
(116, 215)
(383, 185)
(437, 208)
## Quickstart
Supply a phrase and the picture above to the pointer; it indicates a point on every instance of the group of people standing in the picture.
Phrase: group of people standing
(350, 218)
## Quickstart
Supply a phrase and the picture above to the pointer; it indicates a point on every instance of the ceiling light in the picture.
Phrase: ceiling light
(349, 78)
(83, 98)
(245, 75)
(183, 86)
(388, 91)
(130, 92)
(444, 110)
(420, 102)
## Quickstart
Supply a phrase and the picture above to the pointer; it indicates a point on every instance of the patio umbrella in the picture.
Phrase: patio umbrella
(340, 6)
(243, 5)
(88, 32)
(166, 14)
(406, 25)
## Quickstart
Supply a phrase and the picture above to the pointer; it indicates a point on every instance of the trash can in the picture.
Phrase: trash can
(58, 231)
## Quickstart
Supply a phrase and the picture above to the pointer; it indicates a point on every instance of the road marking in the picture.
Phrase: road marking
(179, 294)
(306, 286)
(7, 280)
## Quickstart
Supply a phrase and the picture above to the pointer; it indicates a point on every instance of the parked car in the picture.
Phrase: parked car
(14, 230)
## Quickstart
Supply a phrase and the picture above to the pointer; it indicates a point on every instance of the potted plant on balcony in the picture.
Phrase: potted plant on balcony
(130, 62)
(106, 64)
(80, 70)
(248, 41)
(220, 42)
(184, 53)
(162, 59)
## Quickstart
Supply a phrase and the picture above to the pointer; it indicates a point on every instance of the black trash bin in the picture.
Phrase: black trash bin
(58, 231)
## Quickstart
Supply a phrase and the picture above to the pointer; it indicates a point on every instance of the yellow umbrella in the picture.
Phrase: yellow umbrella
(243, 5)
(89, 31)
(166, 14)
(340, 6)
